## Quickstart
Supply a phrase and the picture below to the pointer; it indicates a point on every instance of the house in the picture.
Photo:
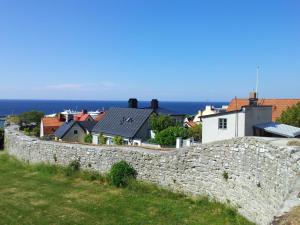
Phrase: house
(188, 123)
(100, 116)
(209, 110)
(74, 131)
(278, 105)
(83, 116)
(132, 124)
(50, 124)
(237, 123)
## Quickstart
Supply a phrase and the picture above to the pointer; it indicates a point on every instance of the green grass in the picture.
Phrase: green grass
(43, 194)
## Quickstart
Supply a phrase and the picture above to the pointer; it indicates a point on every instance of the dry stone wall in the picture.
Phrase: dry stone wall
(260, 174)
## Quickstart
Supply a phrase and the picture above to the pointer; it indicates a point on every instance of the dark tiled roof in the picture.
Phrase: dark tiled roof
(88, 125)
(63, 129)
(124, 122)
(163, 111)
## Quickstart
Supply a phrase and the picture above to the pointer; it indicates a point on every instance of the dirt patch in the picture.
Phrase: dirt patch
(291, 218)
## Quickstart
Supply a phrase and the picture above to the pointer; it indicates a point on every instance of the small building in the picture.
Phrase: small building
(278, 105)
(132, 124)
(83, 116)
(237, 123)
(100, 116)
(209, 110)
(74, 131)
(50, 124)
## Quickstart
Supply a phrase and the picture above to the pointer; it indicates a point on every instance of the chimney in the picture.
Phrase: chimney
(84, 111)
(132, 103)
(253, 100)
(69, 117)
(154, 104)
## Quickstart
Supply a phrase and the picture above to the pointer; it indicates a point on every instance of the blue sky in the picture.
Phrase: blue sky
(170, 50)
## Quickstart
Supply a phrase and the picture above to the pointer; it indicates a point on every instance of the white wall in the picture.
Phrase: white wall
(235, 124)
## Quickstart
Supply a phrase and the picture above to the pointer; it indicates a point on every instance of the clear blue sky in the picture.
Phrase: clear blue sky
(171, 50)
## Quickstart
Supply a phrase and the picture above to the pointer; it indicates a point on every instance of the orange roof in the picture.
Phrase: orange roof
(52, 122)
(81, 117)
(279, 105)
(100, 116)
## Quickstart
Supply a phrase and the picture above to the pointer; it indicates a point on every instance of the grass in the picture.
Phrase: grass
(294, 143)
(43, 194)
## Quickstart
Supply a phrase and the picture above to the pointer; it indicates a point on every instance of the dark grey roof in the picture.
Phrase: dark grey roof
(163, 111)
(63, 129)
(124, 122)
(88, 125)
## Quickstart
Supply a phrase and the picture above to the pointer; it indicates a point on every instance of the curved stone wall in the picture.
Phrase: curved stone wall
(260, 173)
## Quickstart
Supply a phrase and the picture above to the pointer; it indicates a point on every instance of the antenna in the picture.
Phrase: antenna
(257, 74)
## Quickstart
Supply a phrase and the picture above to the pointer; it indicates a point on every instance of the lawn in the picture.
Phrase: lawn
(43, 194)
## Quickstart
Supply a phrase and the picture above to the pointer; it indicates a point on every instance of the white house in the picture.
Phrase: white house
(238, 123)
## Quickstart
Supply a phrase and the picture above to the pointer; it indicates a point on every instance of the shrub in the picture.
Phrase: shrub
(159, 123)
(196, 132)
(118, 140)
(1, 139)
(88, 138)
(225, 175)
(121, 173)
(73, 167)
(167, 137)
(36, 131)
(26, 131)
(102, 140)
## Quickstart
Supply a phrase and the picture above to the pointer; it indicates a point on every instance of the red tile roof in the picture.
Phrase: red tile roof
(82, 117)
(51, 124)
(100, 116)
(191, 123)
(279, 105)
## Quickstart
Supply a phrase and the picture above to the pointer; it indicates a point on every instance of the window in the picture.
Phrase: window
(222, 123)
(75, 131)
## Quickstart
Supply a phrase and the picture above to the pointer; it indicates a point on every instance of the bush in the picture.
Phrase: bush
(159, 123)
(88, 138)
(196, 132)
(118, 140)
(73, 167)
(102, 140)
(121, 173)
(26, 131)
(1, 139)
(31, 117)
(291, 116)
(36, 131)
(167, 137)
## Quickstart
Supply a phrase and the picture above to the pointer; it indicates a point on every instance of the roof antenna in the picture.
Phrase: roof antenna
(257, 74)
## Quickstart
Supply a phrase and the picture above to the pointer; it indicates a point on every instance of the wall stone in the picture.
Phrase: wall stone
(261, 173)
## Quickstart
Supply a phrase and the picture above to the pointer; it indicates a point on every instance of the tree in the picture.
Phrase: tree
(159, 123)
(31, 117)
(195, 132)
(118, 140)
(102, 140)
(167, 137)
(88, 138)
(291, 116)
(36, 131)
(1, 138)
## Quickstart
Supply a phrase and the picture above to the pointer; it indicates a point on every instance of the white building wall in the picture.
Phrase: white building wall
(235, 127)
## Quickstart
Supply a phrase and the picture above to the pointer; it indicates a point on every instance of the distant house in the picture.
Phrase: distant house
(131, 124)
(189, 123)
(83, 116)
(238, 123)
(209, 110)
(278, 105)
(74, 131)
(50, 124)
(100, 116)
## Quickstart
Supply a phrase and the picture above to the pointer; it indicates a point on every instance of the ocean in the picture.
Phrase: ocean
(15, 107)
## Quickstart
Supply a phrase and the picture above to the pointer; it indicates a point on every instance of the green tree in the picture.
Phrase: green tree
(167, 137)
(159, 123)
(102, 140)
(36, 131)
(88, 138)
(118, 140)
(291, 116)
(31, 117)
(195, 132)
(1, 138)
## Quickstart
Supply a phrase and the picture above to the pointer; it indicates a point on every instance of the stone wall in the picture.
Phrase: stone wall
(261, 173)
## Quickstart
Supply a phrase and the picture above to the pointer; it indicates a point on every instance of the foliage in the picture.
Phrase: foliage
(159, 123)
(73, 167)
(291, 116)
(151, 141)
(44, 191)
(13, 119)
(225, 175)
(1, 138)
(167, 137)
(121, 173)
(196, 132)
(36, 131)
(102, 139)
(31, 117)
(118, 140)
(26, 131)
(88, 138)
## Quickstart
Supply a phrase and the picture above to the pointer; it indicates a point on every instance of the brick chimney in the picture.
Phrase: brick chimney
(253, 100)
